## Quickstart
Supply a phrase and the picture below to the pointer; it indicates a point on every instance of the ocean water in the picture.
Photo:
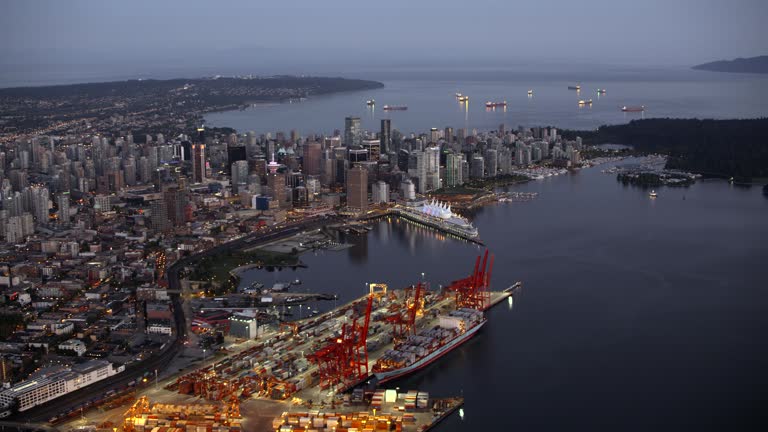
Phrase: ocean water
(429, 95)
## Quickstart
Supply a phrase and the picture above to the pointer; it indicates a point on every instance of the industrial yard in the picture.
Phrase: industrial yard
(321, 372)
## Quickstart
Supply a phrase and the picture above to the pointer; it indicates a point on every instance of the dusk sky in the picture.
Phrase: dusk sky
(287, 33)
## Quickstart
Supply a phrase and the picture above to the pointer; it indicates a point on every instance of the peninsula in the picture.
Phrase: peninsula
(757, 64)
(172, 106)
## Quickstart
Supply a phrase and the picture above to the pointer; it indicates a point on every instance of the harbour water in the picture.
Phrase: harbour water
(635, 314)
(430, 97)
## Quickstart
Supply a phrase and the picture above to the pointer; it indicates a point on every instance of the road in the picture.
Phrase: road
(161, 360)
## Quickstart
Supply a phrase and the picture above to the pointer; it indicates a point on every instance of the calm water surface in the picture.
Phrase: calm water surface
(635, 313)
(430, 97)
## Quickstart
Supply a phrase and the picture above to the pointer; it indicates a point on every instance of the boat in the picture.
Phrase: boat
(495, 104)
(640, 108)
(419, 350)
(653, 194)
(458, 95)
(585, 102)
(530, 92)
(463, 98)
(370, 102)
(600, 91)
(394, 107)
(576, 87)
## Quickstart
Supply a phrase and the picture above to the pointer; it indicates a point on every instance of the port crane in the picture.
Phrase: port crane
(404, 323)
(473, 291)
(344, 360)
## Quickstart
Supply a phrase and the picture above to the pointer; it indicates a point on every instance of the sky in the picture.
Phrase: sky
(297, 36)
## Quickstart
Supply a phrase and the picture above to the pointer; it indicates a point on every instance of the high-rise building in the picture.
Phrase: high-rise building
(175, 202)
(432, 167)
(453, 175)
(235, 153)
(380, 192)
(434, 135)
(448, 134)
(373, 148)
(353, 134)
(477, 169)
(311, 159)
(62, 201)
(198, 163)
(239, 175)
(408, 190)
(159, 215)
(417, 170)
(357, 188)
(491, 162)
(385, 136)
(276, 185)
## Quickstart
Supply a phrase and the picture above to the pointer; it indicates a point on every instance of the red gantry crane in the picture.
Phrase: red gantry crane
(404, 323)
(474, 291)
(344, 360)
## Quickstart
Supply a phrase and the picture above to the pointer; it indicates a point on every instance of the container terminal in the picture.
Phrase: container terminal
(332, 364)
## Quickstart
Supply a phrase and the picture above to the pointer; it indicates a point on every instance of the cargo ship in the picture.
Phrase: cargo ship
(600, 91)
(640, 108)
(576, 87)
(419, 350)
(463, 98)
(585, 102)
(394, 107)
(495, 104)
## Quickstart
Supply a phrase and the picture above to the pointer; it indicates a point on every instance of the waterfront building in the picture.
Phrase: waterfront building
(432, 168)
(243, 327)
(54, 382)
(408, 190)
(380, 192)
(357, 188)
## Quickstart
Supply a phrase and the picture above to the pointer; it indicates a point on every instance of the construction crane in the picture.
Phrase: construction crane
(474, 291)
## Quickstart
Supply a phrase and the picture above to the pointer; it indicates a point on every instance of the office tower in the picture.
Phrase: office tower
(62, 202)
(357, 188)
(453, 175)
(311, 159)
(373, 148)
(357, 155)
(385, 136)
(175, 203)
(575, 157)
(491, 162)
(380, 192)
(501, 130)
(353, 134)
(159, 215)
(553, 134)
(477, 169)
(198, 163)
(239, 176)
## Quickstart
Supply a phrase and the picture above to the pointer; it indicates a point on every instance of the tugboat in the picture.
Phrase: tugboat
(653, 194)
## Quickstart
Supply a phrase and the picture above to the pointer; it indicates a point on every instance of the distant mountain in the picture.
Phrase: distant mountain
(739, 65)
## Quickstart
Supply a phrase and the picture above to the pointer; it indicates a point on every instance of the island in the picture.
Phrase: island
(172, 106)
(757, 64)
(718, 148)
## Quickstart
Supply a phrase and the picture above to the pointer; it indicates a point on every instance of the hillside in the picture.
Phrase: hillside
(740, 65)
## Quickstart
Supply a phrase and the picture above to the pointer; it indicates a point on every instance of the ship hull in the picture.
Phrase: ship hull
(428, 359)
